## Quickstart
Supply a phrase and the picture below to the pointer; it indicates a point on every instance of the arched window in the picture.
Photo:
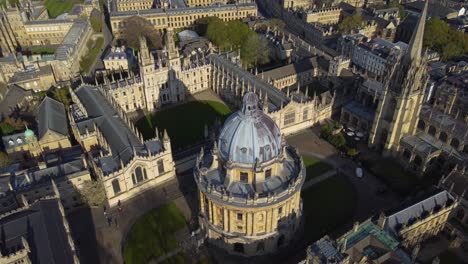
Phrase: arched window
(160, 166)
(139, 174)
(134, 179)
(455, 143)
(408, 110)
(116, 186)
(145, 176)
(345, 117)
(421, 125)
(443, 136)
(432, 131)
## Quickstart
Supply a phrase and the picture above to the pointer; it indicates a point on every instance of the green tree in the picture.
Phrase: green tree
(276, 23)
(255, 51)
(6, 129)
(96, 23)
(16, 123)
(447, 41)
(352, 152)
(93, 193)
(350, 23)
(216, 32)
(4, 159)
(338, 140)
(135, 27)
(62, 95)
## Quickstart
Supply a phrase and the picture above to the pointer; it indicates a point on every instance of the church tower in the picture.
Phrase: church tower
(398, 110)
(148, 75)
(175, 84)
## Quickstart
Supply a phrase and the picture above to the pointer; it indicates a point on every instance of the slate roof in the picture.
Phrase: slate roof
(122, 140)
(13, 97)
(52, 116)
(291, 69)
(42, 226)
(415, 211)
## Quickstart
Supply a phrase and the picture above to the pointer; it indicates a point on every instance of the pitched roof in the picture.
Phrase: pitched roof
(417, 210)
(415, 45)
(43, 227)
(52, 116)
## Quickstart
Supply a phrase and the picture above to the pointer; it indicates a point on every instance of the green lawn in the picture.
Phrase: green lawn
(94, 47)
(152, 235)
(327, 206)
(58, 7)
(184, 123)
(42, 50)
(315, 167)
(393, 175)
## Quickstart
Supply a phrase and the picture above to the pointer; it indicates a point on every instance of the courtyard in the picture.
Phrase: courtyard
(327, 206)
(58, 7)
(315, 167)
(153, 235)
(185, 123)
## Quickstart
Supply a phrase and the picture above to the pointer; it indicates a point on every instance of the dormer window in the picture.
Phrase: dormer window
(19, 141)
(11, 142)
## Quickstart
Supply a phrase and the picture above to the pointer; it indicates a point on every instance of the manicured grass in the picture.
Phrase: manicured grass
(327, 206)
(58, 7)
(185, 124)
(42, 50)
(177, 259)
(315, 167)
(94, 47)
(152, 235)
(393, 175)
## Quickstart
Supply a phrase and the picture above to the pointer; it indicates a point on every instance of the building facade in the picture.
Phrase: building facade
(126, 164)
(183, 17)
(249, 185)
(324, 16)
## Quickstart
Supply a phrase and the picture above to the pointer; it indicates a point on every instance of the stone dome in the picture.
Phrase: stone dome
(249, 134)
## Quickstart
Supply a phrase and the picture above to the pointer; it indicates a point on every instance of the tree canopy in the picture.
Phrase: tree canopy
(237, 35)
(447, 41)
(4, 159)
(349, 23)
(93, 193)
(135, 27)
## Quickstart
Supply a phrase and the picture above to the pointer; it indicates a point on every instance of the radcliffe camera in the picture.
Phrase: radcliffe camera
(234, 131)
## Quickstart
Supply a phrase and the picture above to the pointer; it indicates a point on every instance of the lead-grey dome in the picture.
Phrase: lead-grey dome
(249, 134)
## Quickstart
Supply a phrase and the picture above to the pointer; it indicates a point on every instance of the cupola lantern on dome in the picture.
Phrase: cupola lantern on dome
(249, 136)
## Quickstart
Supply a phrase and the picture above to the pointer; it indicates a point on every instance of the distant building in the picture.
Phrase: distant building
(182, 17)
(420, 221)
(40, 79)
(249, 185)
(129, 5)
(300, 73)
(374, 57)
(67, 169)
(68, 55)
(365, 243)
(52, 133)
(119, 59)
(37, 233)
(324, 16)
(456, 183)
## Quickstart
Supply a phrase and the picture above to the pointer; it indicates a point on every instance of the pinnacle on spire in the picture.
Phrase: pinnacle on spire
(415, 45)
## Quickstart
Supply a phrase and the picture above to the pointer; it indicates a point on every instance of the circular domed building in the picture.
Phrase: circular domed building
(249, 185)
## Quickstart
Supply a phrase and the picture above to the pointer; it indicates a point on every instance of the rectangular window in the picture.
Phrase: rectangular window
(268, 174)
(244, 177)
(305, 115)
(239, 216)
(289, 118)
(239, 228)
(280, 211)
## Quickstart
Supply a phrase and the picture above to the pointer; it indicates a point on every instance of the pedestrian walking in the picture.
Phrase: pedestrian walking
(109, 221)
(115, 222)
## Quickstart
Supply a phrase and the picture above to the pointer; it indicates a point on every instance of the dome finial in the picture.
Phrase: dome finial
(250, 103)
